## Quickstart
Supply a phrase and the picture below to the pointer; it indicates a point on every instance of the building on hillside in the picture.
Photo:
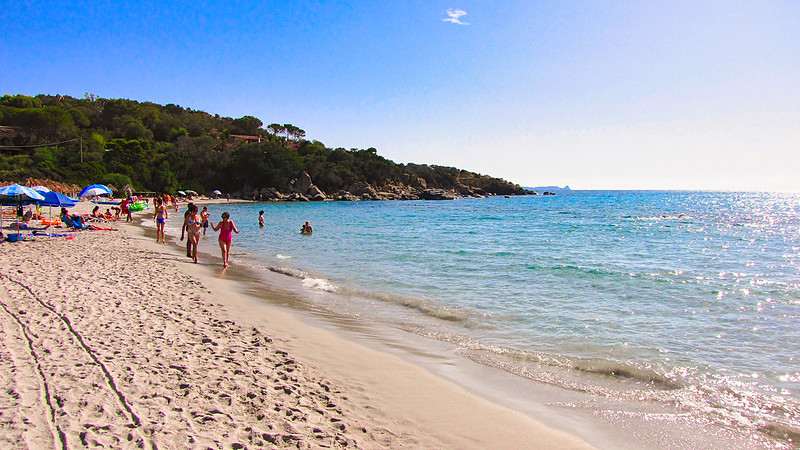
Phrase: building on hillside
(235, 140)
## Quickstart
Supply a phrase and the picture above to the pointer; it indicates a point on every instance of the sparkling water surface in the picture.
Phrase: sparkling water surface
(694, 297)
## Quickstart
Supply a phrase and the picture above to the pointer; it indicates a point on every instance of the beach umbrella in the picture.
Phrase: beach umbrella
(188, 191)
(14, 194)
(181, 193)
(216, 192)
(56, 199)
(40, 189)
(94, 190)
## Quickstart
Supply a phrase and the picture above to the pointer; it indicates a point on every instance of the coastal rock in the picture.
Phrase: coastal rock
(316, 194)
(360, 189)
(346, 197)
(301, 184)
(414, 181)
(295, 197)
(437, 194)
(386, 196)
(271, 194)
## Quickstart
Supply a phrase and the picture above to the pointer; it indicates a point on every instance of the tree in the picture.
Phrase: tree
(20, 101)
(293, 132)
(276, 129)
(247, 125)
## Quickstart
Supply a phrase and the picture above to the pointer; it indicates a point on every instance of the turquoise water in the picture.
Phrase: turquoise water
(687, 299)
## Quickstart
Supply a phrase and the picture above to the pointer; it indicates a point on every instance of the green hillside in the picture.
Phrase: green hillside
(164, 148)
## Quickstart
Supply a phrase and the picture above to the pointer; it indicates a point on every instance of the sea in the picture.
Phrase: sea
(671, 316)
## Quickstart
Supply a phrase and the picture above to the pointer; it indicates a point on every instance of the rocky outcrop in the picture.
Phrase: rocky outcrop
(362, 190)
(295, 197)
(345, 197)
(418, 182)
(303, 189)
(271, 194)
(437, 194)
(316, 194)
(301, 184)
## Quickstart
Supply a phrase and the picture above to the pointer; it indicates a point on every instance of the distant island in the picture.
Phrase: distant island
(145, 146)
(548, 188)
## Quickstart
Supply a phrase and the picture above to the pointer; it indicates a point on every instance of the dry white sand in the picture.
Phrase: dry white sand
(108, 339)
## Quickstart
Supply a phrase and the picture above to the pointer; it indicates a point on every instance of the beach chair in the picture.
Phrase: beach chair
(74, 225)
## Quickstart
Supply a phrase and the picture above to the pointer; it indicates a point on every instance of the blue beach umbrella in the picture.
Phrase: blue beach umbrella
(94, 190)
(14, 194)
(56, 199)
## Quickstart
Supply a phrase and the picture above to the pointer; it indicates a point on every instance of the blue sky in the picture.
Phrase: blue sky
(594, 94)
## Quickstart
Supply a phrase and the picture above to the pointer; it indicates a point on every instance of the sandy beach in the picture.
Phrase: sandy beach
(109, 339)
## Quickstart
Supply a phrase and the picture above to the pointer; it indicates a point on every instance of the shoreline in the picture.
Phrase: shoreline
(177, 351)
(553, 399)
(358, 363)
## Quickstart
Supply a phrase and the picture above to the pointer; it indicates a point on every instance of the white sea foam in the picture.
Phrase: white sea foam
(319, 284)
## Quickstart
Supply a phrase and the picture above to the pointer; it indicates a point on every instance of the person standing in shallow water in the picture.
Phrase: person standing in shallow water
(306, 228)
(226, 229)
(261, 219)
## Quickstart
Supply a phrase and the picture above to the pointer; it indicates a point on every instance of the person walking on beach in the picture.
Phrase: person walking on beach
(226, 229)
(204, 215)
(193, 226)
(183, 228)
(160, 218)
(261, 219)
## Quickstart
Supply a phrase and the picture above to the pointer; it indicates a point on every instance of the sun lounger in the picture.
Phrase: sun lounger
(73, 224)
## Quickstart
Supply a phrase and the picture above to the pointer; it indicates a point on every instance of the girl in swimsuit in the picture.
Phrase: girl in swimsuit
(193, 226)
(226, 229)
(160, 217)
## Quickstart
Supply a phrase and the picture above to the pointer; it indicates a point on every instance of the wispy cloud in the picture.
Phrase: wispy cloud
(454, 16)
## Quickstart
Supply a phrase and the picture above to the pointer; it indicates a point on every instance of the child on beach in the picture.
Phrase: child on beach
(204, 215)
(226, 229)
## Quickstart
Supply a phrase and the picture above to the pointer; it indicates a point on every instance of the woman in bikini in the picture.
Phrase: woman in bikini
(160, 217)
(194, 226)
(226, 229)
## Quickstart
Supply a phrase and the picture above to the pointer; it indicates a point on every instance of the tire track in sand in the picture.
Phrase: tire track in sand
(58, 434)
(76, 336)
